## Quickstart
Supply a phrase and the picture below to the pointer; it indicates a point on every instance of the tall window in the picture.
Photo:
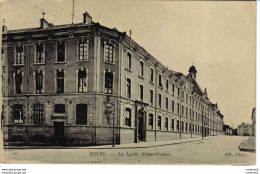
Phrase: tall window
(39, 82)
(151, 74)
(160, 80)
(166, 103)
(160, 100)
(167, 85)
(178, 125)
(173, 106)
(83, 50)
(128, 88)
(173, 89)
(151, 121)
(81, 113)
(82, 81)
(18, 114)
(190, 127)
(128, 117)
(151, 97)
(108, 82)
(39, 53)
(60, 81)
(178, 92)
(38, 114)
(59, 108)
(172, 125)
(187, 111)
(182, 110)
(109, 51)
(182, 126)
(61, 51)
(141, 92)
(141, 68)
(19, 55)
(18, 83)
(166, 123)
(186, 127)
(129, 61)
(2, 55)
(178, 108)
(159, 122)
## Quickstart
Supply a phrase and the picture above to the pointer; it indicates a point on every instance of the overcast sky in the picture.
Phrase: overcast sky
(218, 37)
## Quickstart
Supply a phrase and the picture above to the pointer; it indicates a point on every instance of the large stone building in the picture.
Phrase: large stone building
(244, 129)
(84, 83)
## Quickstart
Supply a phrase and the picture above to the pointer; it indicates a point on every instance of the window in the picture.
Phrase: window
(18, 114)
(38, 114)
(128, 117)
(166, 103)
(109, 49)
(151, 121)
(178, 125)
(141, 68)
(141, 93)
(151, 97)
(59, 108)
(178, 108)
(187, 111)
(151, 74)
(172, 125)
(39, 82)
(182, 126)
(160, 80)
(83, 50)
(186, 127)
(182, 95)
(18, 83)
(39, 53)
(173, 89)
(182, 110)
(129, 61)
(166, 123)
(108, 82)
(159, 122)
(2, 55)
(81, 113)
(167, 85)
(82, 81)
(60, 81)
(160, 100)
(173, 106)
(61, 51)
(190, 127)
(128, 88)
(19, 55)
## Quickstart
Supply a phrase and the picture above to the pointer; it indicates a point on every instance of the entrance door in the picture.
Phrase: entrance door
(141, 130)
(58, 133)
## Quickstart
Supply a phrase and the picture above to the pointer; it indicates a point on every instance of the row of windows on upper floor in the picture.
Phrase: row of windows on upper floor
(82, 52)
(82, 81)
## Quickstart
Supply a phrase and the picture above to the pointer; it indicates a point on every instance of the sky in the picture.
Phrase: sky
(219, 38)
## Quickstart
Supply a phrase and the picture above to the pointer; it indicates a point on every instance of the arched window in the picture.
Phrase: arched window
(108, 82)
(172, 125)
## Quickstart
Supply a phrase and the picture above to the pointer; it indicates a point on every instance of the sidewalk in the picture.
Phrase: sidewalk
(119, 146)
(248, 144)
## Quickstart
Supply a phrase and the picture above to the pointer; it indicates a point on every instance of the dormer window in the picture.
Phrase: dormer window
(19, 55)
(109, 53)
(39, 53)
(61, 51)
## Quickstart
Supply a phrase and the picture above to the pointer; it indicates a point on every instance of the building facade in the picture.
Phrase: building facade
(86, 84)
(244, 129)
(253, 122)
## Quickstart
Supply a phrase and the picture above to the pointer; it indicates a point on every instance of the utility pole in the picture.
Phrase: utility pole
(73, 6)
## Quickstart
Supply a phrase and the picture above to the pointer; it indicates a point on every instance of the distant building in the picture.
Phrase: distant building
(244, 129)
(227, 130)
(253, 122)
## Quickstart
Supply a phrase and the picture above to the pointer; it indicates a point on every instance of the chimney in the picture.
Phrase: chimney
(87, 19)
(44, 23)
(4, 28)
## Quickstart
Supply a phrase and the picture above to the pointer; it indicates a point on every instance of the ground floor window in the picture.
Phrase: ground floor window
(178, 125)
(172, 125)
(38, 114)
(128, 117)
(81, 114)
(159, 122)
(18, 114)
(151, 121)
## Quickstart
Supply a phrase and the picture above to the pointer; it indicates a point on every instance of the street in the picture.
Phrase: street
(217, 150)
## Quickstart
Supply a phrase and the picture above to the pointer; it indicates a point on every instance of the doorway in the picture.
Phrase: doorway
(141, 129)
(58, 133)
